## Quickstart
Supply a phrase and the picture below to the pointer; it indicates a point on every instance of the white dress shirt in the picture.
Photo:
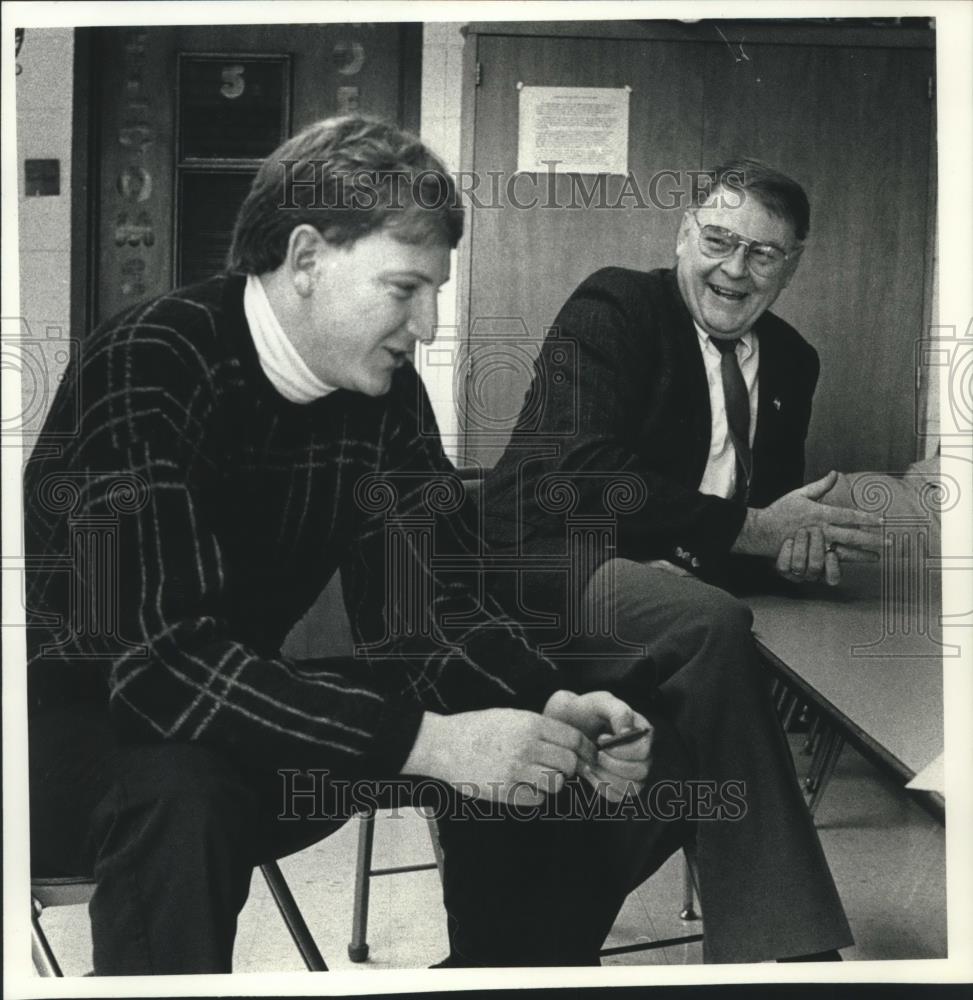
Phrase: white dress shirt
(281, 363)
(719, 476)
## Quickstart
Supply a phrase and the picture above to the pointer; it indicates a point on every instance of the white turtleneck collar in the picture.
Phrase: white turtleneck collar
(281, 363)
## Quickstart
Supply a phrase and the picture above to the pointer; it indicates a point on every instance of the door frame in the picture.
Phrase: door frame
(86, 160)
(85, 177)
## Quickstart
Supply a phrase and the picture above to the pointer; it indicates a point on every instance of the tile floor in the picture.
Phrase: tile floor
(886, 853)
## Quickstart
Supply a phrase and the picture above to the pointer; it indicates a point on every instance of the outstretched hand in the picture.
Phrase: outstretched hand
(848, 534)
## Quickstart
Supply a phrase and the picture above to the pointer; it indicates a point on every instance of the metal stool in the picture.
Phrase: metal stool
(358, 946)
(687, 913)
(52, 892)
(45, 892)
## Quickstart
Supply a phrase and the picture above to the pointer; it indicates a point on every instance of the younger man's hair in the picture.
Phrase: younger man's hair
(347, 177)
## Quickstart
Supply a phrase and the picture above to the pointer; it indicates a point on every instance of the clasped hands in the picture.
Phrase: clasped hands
(810, 538)
(518, 757)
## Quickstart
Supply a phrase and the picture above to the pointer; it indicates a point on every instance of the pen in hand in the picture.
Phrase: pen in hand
(629, 736)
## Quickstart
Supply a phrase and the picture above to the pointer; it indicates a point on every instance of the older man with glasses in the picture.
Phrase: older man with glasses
(685, 389)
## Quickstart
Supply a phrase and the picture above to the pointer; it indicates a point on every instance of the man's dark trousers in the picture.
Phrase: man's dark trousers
(172, 833)
(766, 888)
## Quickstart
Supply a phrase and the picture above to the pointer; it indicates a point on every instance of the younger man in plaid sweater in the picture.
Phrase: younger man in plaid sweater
(243, 438)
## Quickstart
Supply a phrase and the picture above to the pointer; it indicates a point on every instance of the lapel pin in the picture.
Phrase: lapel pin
(776, 403)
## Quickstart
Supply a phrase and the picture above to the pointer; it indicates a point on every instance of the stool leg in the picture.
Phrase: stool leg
(40, 950)
(812, 736)
(791, 712)
(827, 772)
(287, 905)
(786, 708)
(826, 741)
(688, 911)
(358, 946)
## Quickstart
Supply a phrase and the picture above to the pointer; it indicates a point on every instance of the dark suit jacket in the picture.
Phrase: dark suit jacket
(620, 387)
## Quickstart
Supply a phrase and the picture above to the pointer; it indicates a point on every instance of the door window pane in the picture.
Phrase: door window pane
(232, 107)
(208, 204)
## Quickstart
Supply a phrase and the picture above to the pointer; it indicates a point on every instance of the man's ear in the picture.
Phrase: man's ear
(304, 248)
(790, 267)
(683, 235)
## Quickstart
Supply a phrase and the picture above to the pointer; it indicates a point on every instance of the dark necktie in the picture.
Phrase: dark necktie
(737, 401)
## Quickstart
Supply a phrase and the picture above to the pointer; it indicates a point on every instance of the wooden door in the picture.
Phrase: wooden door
(854, 126)
(851, 122)
(526, 261)
(187, 113)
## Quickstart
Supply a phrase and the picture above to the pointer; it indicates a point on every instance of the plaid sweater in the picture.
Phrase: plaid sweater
(182, 516)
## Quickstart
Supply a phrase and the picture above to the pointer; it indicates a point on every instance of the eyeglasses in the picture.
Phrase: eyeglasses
(764, 259)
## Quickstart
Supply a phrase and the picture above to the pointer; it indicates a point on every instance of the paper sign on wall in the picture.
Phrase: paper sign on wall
(581, 130)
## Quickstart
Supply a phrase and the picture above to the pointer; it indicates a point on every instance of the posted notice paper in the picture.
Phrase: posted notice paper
(582, 130)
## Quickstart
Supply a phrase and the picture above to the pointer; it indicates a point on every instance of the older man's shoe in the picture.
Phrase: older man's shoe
(820, 956)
